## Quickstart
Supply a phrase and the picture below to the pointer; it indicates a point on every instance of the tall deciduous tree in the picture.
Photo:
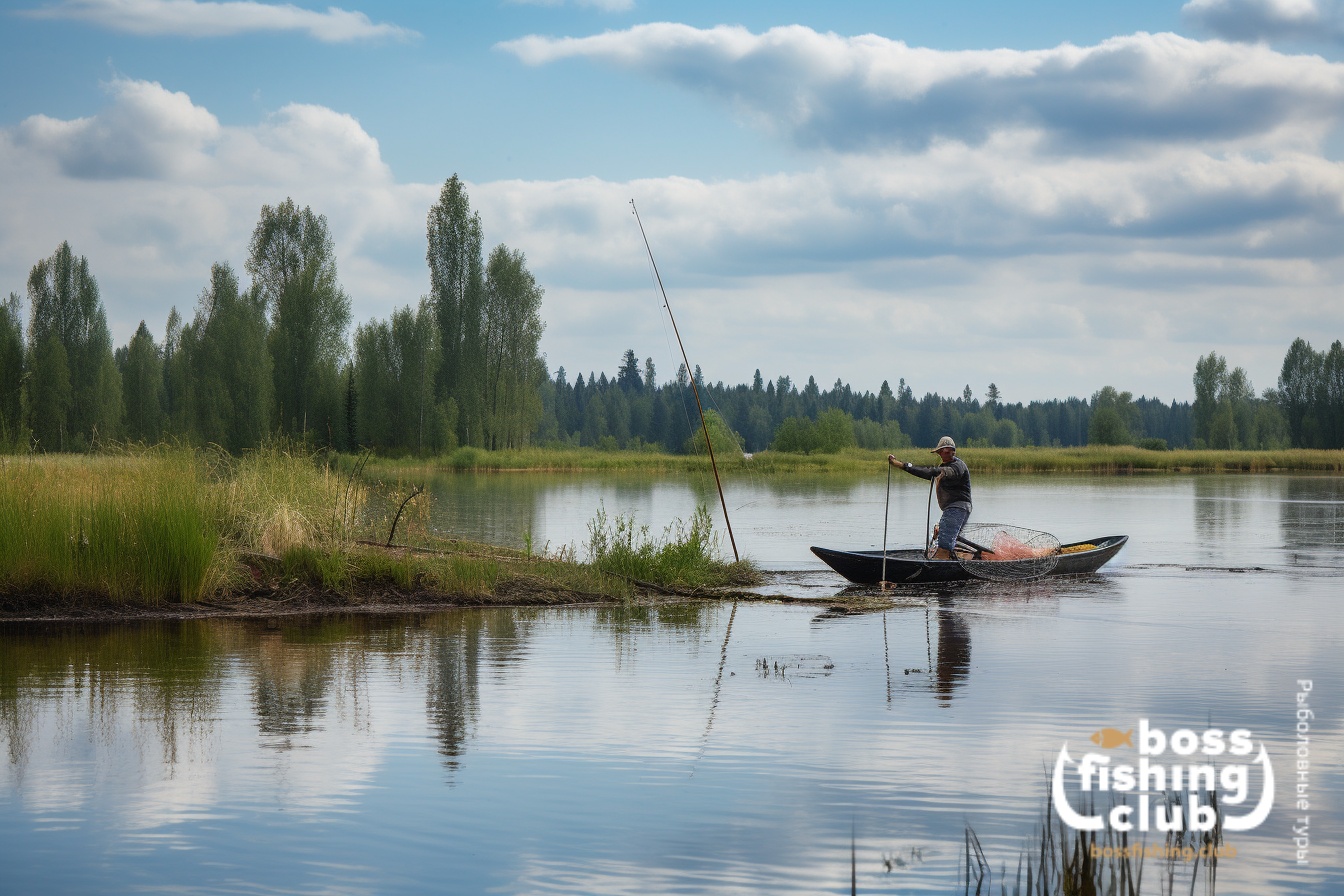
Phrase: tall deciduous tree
(293, 267)
(511, 335)
(1332, 414)
(1227, 413)
(75, 390)
(456, 284)
(395, 367)
(1210, 379)
(1114, 418)
(1299, 380)
(175, 410)
(227, 365)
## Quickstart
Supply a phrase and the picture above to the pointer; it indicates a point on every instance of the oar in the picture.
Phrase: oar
(973, 546)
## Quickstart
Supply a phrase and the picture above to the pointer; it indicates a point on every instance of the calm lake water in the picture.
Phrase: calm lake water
(711, 748)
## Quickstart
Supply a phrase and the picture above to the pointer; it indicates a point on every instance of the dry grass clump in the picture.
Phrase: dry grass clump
(278, 497)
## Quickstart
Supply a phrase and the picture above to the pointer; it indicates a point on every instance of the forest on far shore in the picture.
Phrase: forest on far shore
(462, 368)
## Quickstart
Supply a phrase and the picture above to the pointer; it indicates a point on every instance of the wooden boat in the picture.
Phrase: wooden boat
(909, 566)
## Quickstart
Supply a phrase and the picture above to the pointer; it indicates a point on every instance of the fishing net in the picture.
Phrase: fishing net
(1003, 553)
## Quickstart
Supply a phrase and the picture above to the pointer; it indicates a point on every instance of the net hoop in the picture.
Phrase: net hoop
(1002, 553)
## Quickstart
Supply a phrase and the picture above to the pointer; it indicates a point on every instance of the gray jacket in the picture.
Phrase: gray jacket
(954, 486)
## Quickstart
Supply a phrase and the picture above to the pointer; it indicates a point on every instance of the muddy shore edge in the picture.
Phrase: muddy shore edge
(300, 601)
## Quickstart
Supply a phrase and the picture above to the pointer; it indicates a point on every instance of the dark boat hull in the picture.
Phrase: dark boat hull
(911, 567)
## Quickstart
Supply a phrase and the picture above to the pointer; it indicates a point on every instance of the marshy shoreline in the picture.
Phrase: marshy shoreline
(174, 532)
(182, 533)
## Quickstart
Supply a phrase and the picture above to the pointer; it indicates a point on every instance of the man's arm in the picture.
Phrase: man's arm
(914, 470)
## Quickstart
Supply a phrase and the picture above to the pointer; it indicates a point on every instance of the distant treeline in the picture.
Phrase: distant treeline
(631, 410)
(462, 368)
(1306, 410)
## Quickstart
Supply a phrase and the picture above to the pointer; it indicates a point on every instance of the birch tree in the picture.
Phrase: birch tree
(293, 267)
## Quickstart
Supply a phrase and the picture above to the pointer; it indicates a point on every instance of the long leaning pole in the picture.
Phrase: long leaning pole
(886, 512)
(695, 390)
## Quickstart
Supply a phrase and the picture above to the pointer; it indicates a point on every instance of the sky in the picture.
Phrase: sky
(1052, 197)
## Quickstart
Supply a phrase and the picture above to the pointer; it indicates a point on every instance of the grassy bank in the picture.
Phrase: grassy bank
(173, 525)
(1097, 459)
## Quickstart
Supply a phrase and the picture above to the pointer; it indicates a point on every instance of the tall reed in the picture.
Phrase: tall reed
(125, 527)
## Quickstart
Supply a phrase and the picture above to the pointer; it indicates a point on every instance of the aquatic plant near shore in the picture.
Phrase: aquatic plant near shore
(685, 557)
(1065, 862)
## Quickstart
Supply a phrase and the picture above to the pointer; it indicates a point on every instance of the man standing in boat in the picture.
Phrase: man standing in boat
(954, 493)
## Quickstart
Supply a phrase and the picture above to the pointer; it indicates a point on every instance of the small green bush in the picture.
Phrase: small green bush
(686, 556)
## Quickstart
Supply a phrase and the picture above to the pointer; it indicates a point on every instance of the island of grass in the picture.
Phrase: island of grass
(183, 532)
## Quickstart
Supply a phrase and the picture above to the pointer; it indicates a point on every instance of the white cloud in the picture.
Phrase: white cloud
(191, 18)
(869, 93)
(1269, 20)
(147, 132)
(951, 200)
(1069, 272)
(153, 190)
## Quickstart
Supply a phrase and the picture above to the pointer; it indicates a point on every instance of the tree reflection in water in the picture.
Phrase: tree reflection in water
(463, 641)
(169, 672)
(1311, 515)
(452, 694)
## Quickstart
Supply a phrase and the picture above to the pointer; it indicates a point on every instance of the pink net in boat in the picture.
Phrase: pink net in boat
(1007, 553)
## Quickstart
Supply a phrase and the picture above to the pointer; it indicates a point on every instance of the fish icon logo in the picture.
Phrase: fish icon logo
(1109, 738)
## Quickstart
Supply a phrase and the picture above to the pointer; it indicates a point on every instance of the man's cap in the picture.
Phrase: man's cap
(945, 442)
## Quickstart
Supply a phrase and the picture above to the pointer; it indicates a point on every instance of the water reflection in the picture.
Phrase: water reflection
(289, 691)
(452, 694)
(1220, 508)
(170, 672)
(1311, 515)
(178, 756)
(954, 652)
(553, 509)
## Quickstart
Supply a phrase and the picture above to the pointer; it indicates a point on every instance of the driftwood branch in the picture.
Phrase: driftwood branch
(415, 492)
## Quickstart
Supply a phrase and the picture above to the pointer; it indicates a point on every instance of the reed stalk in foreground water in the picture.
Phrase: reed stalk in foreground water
(1065, 862)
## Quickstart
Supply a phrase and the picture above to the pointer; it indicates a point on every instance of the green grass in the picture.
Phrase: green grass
(1092, 459)
(130, 527)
